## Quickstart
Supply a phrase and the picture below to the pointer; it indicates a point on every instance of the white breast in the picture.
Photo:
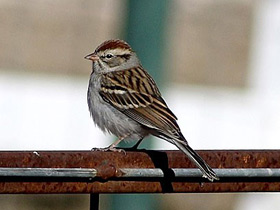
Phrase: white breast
(109, 119)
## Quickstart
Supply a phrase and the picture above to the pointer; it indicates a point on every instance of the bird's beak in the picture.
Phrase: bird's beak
(92, 57)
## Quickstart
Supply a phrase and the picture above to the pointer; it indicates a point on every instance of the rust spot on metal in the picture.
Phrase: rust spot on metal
(260, 162)
(106, 171)
(246, 158)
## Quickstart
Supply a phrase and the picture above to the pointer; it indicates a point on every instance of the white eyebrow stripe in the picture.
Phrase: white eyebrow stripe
(118, 51)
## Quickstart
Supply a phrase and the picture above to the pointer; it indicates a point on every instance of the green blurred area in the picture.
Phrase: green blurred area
(145, 31)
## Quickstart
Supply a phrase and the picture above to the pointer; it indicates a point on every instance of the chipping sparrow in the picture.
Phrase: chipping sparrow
(124, 100)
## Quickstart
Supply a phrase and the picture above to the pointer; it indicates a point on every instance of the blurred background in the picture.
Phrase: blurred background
(217, 64)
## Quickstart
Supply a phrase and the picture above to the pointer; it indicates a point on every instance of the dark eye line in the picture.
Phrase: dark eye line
(109, 55)
(125, 56)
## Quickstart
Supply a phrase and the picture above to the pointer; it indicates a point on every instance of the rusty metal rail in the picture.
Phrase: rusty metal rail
(137, 172)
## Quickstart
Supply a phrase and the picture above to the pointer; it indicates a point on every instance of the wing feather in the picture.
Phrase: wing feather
(134, 93)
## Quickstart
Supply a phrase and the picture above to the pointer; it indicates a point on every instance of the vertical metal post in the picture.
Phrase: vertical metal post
(145, 32)
(94, 201)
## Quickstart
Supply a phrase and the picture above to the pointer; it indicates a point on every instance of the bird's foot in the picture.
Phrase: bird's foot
(109, 149)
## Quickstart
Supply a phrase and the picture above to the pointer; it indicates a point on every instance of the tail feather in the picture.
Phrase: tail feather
(179, 141)
(201, 164)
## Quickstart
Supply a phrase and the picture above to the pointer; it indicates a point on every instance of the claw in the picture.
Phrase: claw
(108, 149)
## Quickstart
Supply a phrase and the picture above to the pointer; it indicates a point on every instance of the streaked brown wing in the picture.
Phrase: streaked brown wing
(156, 118)
(125, 99)
(134, 93)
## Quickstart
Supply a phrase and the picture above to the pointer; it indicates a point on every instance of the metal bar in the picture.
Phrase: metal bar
(94, 201)
(110, 173)
(90, 174)
(196, 173)
(48, 172)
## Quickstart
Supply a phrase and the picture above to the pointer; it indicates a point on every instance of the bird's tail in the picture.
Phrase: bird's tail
(201, 164)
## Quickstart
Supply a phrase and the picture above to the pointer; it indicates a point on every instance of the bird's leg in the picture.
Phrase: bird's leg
(134, 147)
(137, 144)
(112, 147)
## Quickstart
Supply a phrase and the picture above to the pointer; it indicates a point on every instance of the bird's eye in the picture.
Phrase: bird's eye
(109, 55)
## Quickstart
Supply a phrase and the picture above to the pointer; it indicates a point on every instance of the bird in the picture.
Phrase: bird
(124, 100)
